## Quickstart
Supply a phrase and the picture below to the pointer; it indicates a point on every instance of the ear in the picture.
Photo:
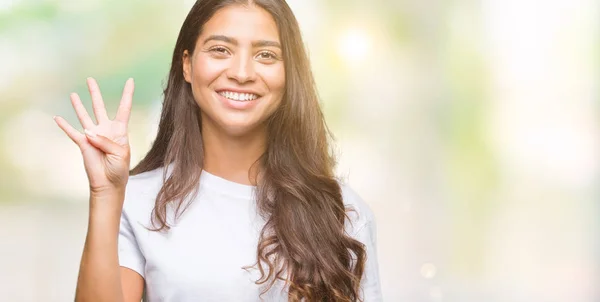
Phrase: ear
(187, 66)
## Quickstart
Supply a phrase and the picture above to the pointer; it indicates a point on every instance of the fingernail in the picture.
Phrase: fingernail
(89, 133)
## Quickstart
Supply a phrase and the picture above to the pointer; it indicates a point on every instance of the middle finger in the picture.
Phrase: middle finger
(97, 102)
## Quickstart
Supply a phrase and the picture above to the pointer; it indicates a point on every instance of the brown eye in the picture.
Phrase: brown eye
(219, 50)
(266, 55)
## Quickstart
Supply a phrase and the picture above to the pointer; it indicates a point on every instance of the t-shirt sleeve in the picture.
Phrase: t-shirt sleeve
(361, 225)
(371, 287)
(370, 284)
(130, 255)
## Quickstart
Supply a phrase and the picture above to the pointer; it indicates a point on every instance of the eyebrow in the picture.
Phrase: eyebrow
(258, 43)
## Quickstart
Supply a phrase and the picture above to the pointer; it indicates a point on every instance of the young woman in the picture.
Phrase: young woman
(236, 200)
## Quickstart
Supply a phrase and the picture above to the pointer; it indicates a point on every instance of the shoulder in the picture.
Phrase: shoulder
(358, 211)
(145, 183)
(141, 191)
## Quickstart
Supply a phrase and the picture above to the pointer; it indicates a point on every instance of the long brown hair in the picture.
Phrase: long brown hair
(303, 241)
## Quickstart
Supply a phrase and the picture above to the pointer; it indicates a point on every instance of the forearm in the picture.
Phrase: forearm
(99, 275)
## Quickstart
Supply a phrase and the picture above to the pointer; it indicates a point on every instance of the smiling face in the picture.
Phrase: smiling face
(236, 71)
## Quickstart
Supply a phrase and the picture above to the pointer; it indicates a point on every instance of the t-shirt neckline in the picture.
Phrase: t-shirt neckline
(225, 186)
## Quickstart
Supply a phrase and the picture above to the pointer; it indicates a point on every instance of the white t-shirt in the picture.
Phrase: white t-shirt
(201, 257)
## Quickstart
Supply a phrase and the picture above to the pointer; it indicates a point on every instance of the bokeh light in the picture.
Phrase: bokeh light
(354, 45)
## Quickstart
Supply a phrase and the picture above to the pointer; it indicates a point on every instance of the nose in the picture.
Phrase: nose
(241, 69)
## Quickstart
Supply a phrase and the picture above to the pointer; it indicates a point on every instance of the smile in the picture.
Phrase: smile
(240, 97)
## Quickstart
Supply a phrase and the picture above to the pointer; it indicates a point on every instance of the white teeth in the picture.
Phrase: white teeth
(238, 96)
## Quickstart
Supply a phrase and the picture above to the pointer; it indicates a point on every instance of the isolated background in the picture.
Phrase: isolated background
(472, 128)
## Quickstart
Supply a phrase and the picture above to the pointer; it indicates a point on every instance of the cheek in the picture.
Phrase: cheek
(206, 71)
(275, 79)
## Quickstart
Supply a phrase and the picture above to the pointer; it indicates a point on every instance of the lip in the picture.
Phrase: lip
(238, 105)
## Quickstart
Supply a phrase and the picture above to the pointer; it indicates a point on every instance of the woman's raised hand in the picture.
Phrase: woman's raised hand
(105, 145)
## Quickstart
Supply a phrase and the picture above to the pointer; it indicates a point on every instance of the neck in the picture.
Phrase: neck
(232, 157)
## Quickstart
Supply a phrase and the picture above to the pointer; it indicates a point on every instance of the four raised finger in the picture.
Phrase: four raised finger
(100, 111)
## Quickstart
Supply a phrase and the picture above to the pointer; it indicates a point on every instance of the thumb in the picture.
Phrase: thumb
(105, 144)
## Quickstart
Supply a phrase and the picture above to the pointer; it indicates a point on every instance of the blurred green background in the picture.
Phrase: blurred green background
(472, 128)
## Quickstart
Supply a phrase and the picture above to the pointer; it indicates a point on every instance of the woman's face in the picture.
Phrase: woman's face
(236, 72)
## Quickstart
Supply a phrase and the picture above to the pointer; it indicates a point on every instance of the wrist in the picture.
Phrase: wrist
(107, 192)
(107, 201)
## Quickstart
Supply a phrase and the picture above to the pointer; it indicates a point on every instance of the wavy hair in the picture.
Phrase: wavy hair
(303, 241)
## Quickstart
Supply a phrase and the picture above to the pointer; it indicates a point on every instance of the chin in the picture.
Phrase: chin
(236, 129)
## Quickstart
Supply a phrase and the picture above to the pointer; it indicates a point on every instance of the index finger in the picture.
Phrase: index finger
(124, 110)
